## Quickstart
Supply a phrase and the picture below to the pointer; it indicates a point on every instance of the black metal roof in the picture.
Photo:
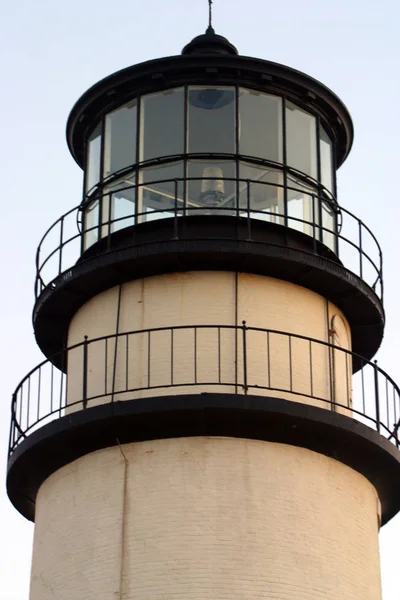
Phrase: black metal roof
(209, 59)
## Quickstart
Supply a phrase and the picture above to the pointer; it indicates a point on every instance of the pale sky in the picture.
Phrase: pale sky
(53, 51)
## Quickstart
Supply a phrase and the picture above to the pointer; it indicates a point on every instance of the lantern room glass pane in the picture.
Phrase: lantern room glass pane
(162, 122)
(161, 189)
(119, 204)
(260, 125)
(120, 138)
(301, 140)
(302, 206)
(93, 158)
(262, 192)
(328, 224)
(211, 120)
(211, 185)
(91, 224)
(325, 145)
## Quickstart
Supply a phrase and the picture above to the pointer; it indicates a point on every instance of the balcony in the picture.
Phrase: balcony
(324, 227)
(204, 380)
(205, 359)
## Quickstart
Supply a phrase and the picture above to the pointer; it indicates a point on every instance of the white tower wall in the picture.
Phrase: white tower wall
(197, 518)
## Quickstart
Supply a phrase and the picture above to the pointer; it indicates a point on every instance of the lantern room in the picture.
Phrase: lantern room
(210, 132)
(201, 149)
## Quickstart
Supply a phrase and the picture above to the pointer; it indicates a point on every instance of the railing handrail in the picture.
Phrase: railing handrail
(393, 433)
(89, 341)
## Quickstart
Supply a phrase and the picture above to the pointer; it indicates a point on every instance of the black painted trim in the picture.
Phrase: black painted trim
(164, 73)
(253, 417)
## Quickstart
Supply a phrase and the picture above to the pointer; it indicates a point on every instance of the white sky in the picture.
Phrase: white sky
(52, 51)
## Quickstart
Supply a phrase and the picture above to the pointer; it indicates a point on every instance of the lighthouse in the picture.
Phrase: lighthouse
(208, 420)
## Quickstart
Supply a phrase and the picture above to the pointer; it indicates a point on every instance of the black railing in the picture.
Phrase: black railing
(205, 358)
(346, 235)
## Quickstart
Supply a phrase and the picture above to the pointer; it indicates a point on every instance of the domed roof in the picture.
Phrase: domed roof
(209, 43)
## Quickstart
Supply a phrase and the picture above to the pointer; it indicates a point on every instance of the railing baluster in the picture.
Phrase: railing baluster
(176, 210)
(51, 387)
(219, 354)
(172, 356)
(314, 224)
(61, 384)
(311, 368)
(149, 359)
(11, 437)
(377, 407)
(348, 393)
(330, 367)
(360, 250)
(396, 413)
(16, 431)
(61, 244)
(110, 203)
(39, 385)
(387, 405)
(244, 328)
(363, 387)
(195, 355)
(248, 211)
(105, 366)
(85, 372)
(269, 360)
(28, 404)
(21, 401)
(127, 364)
(290, 363)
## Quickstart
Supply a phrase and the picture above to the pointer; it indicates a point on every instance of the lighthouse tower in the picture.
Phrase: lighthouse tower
(208, 421)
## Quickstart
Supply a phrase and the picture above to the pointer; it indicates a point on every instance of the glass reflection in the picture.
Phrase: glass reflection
(301, 140)
(91, 224)
(119, 204)
(325, 145)
(162, 124)
(263, 194)
(120, 138)
(211, 120)
(329, 225)
(302, 206)
(211, 185)
(93, 159)
(260, 125)
(162, 189)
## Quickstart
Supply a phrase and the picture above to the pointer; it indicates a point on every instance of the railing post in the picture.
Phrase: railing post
(313, 224)
(377, 409)
(110, 201)
(248, 210)
(244, 329)
(175, 210)
(38, 279)
(85, 369)
(11, 442)
(360, 250)
(61, 245)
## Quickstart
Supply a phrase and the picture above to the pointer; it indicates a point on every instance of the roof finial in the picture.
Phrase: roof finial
(210, 13)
